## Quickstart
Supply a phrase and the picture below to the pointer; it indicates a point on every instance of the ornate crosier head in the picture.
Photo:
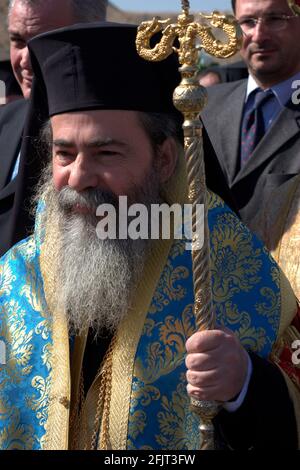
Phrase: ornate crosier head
(294, 6)
(192, 37)
(187, 37)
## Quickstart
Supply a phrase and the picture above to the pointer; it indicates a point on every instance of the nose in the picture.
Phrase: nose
(25, 59)
(82, 175)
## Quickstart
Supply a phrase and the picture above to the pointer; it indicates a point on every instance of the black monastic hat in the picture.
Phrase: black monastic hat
(96, 66)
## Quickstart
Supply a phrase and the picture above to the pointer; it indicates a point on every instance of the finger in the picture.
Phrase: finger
(200, 361)
(204, 341)
(207, 393)
(203, 379)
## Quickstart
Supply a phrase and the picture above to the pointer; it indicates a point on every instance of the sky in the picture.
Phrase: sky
(171, 5)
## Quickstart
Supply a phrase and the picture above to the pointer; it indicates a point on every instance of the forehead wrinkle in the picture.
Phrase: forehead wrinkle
(96, 142)
(250, 8)
(32, 20)
(30, 28)
(106, 141)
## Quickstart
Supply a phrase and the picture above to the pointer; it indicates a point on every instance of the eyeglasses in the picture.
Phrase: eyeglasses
(271, 22)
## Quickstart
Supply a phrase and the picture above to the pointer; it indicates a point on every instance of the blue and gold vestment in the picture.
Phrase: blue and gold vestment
(149, 407)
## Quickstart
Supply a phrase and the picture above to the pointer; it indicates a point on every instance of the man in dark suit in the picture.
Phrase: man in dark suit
(254, 124)
(12, 117)
(26, 19)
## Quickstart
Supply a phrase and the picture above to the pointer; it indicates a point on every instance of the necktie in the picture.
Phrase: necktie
(253, 127)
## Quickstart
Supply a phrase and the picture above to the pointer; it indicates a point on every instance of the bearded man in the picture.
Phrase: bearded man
(101, 340)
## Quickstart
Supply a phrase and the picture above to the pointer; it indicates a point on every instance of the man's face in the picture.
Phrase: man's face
(272, 56)
(107, 150)
(96, 157)
(27, 21)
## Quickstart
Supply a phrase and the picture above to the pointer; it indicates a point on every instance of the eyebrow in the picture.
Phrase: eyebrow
(91, 144)
(270, 13)
(14, 34)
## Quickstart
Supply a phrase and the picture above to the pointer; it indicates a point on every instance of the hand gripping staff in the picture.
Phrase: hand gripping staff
(190, 99)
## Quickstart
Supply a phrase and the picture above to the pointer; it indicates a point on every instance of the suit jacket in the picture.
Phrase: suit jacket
(275, 159)
(12, 118)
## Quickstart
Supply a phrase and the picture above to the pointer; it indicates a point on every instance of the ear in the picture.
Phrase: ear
(166, 159)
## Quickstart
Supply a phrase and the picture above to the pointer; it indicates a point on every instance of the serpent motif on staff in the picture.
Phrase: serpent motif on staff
(162, 49)
(187, 32)
(215, 47)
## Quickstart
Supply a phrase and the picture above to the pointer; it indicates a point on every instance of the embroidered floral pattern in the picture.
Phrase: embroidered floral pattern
(25, 329)
(240, 265)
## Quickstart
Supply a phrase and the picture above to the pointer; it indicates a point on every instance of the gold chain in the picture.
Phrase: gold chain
(103, 403)
(77, 421)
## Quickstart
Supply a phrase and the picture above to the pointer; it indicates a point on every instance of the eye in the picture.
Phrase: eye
(63, 153)
(64, 156)
(248, 23)
(18, 42)
(274, 20)
(109, 154)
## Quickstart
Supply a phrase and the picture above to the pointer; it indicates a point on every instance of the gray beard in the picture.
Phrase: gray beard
(95, 278)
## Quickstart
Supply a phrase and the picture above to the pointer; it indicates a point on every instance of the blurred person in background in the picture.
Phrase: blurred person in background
(253, 124)
(26, 19)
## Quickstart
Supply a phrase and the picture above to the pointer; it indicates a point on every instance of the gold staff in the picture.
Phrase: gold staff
(190, 99)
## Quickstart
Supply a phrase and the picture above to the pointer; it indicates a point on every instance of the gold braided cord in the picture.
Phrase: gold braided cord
(103, 404)
(79, 427)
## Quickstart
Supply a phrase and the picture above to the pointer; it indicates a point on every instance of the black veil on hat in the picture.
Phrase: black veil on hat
(93, 66)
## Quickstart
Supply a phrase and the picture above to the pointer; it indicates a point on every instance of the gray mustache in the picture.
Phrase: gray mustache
(89, 198)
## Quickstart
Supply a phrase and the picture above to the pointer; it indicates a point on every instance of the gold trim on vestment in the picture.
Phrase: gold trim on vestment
(279, 228)
(277, 214)
(288, 301)
(289, 304)
(57, 428)
(288, 251)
